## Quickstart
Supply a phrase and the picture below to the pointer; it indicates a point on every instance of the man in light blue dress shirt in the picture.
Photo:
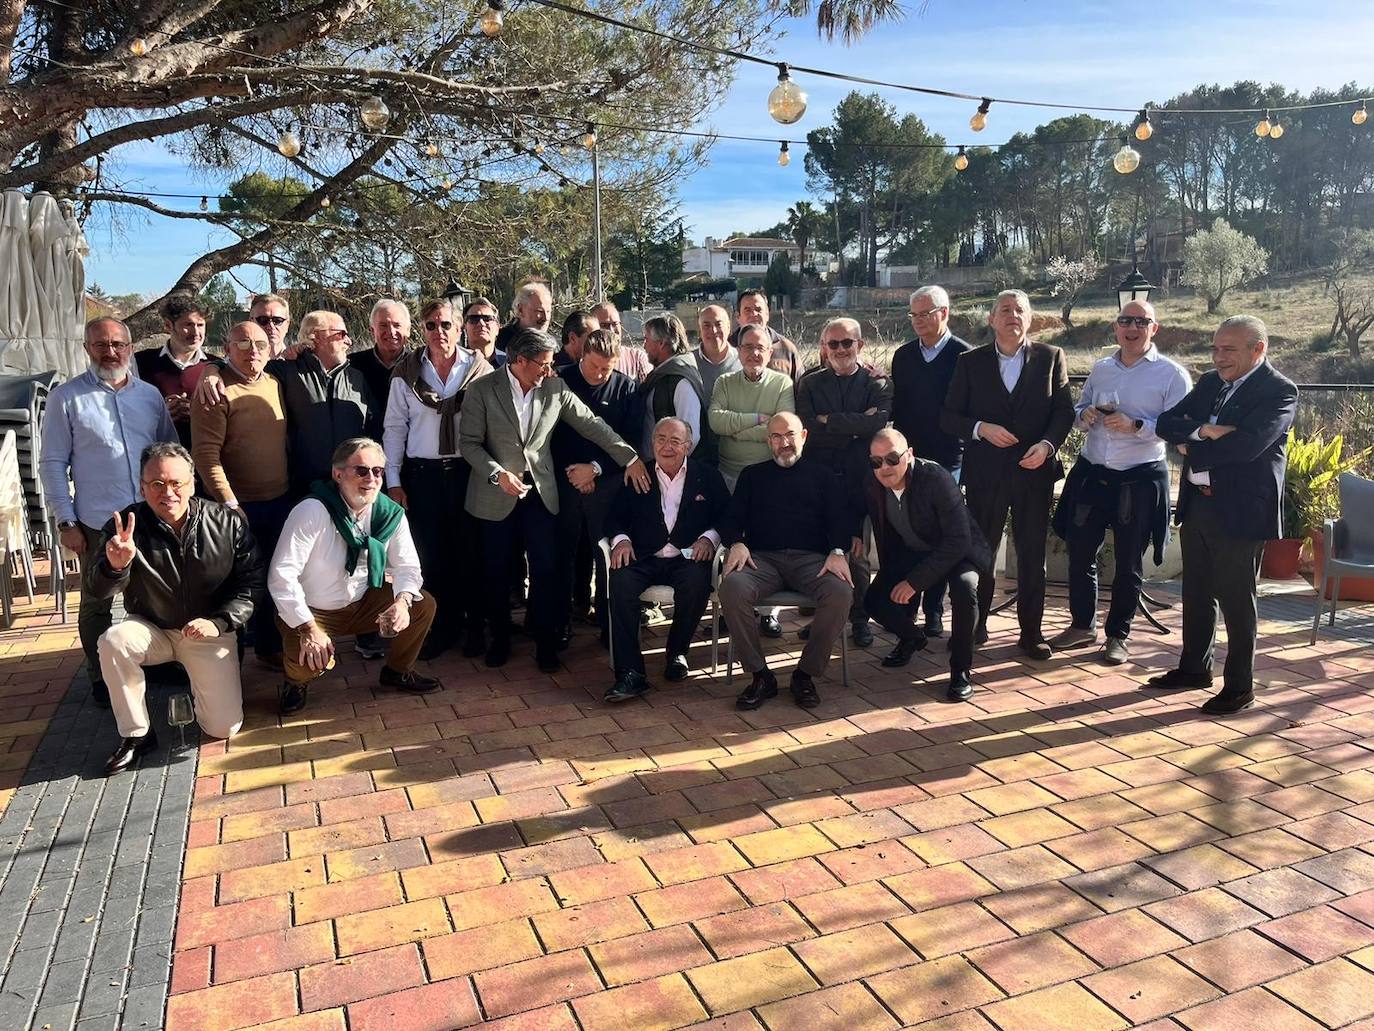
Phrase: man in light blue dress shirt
(1120, 480)
(95, 428)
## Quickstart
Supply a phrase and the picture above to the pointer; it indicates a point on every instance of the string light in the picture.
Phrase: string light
(979, 121)
(784, 158)
(432, 149)
(1276, 130)
(1360, 115)
(288, 144)
(960, 160)
(205, 204)
(324, 202)
(1143, 129)
(1262, 127)
(1127, 159)
(138, 46)
(374, 113)
(492, 20)
(787, 101)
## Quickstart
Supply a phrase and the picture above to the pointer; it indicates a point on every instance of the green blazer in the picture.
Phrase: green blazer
(489, 440)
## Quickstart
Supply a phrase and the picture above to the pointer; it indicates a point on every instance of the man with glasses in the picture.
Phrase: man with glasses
(389, 323)
(176, 368)
(633, 361)
(427, 476)
(1120, 480)
(189, 570)
(842, 404)
(922, 370)
(666, 536)
(508, 421)
(94, 430)
(329, 576)
(481, 324)
(239, 450)
(273, 314)
(925, 535)
(751, 309)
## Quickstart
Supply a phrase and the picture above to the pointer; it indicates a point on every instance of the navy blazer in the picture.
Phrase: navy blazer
(1246, 466)
(640, 516)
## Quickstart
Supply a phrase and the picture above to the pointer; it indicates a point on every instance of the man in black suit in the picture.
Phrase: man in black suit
(666, 536)
(1233, 429)
(924, 534)
(922, 369)
(1010, 401)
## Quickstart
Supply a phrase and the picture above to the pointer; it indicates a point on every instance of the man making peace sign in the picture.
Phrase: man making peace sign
(188, 569)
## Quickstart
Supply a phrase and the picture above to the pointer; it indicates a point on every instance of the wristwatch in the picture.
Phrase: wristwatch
(1139, 425)
(66, 524)
(494, 478)
(837, 551)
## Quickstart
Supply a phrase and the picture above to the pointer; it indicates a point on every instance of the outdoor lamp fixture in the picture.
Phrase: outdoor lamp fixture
(492, 20)
(1127, 159)
(374, 113)
(784, 158)
(1134, 287)
(1276, 129)
(1143, 129)
(787, 101)
(288, 144)
(589, 137)
(979, 121)
(138, 46)
(1359, 115)
(1262, 127)
(456, 294)
(960, 160)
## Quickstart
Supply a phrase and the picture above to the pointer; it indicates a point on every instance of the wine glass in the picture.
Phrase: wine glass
(180, 713)
(1107, 402)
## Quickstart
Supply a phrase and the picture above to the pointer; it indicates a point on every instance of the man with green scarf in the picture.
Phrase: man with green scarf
(328, 576)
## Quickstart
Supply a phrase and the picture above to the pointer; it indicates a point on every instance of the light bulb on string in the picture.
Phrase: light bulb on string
(324, 202)
(960, 160)
(539, 146)
(1360, 115)
(205, 204)
(374, 113)
(447, 185)
(1262, 127)
(1276, 129)
(565, 150)
(1143, 129)
(787, 101)
(138, 46)
(288, 144)
(1127, 159)
(979, 121)
(432, 149)
(492, 20)
(784, 158)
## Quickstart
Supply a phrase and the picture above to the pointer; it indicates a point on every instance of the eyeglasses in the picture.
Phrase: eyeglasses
(110, 345)
(1139, 321)
(754, 348)
(481, 319)
(167, 486)
(843, 344)
(362, 472)
(893, 458)
(332, 334)
(253, 345)
(927, 313)
(443, 324)
(779, 438)
(671, 441)
(269, 320)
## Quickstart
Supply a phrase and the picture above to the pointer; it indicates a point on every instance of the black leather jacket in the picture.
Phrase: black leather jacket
(209, 572)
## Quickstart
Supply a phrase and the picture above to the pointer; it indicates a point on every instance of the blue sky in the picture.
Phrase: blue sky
(1061, 51)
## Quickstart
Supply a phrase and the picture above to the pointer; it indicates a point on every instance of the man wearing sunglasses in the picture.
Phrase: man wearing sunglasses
(427, 476)
(481, 326)
(1120, 480)
(842, 404)
(925, 535)
(273, 314)
(329, 576)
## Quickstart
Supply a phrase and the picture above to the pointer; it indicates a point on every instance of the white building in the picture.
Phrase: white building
(744, 257)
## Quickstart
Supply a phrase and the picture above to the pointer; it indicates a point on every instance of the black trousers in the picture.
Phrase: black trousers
(580, 522)
(266, 519)
(446, 538)
(691, 584)
(1129, 520)
(531, 526)
(1028, 501)
(1219, 570)
(933, 597)
(897, 619)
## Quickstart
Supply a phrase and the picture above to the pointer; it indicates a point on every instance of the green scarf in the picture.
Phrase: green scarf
(386, 518)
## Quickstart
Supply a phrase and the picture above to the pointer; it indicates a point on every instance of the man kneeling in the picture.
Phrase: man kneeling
(328, 576)
(188, 592)
(663, 537)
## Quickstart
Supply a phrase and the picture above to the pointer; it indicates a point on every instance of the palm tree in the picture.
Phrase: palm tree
(802, 221)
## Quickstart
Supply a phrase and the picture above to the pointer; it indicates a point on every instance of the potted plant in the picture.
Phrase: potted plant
(1309, 497)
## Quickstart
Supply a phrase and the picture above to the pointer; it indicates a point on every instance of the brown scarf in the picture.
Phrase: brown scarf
(407, 369)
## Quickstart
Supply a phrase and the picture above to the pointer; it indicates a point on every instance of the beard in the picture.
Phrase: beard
(787, 459)
(106, 374)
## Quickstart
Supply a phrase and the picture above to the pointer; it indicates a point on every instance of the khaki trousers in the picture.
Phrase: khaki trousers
(212, 667)
(361, 618)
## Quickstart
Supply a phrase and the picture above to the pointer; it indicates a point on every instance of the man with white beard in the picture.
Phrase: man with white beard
(96, 427)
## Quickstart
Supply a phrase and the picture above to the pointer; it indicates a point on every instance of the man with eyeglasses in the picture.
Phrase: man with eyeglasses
(666, 536)
(176, 368)
(922, 370)
(389, 323)
(239, 450)
(1010, 402)
(1120, 480)
(787, 528)
(508, 422)
(272, 313)
(427, 476)
(481, 325)
(329, 576)
(189, 570)
(842, 404)
(751, 309)
(633, 361)
(95, 428)
(924, 535)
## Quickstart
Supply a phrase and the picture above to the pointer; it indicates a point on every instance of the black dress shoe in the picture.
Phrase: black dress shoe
(804, 691)
(769, 626)
(903, 651)
(474, 644)
(1224, 704)
(934, 626)
(129, 750)
(677, 668)
(1177, 680)
(498, 653)
(763, 687)
(960, 687)
(291, 697)
(564, 636)
(980, 635)
(628, 684)
(411, 682)
(862, 634)
(1036, 649)
(546, 657)
(434, 646)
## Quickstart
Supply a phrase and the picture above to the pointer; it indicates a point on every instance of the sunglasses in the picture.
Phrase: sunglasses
(1139, 321)
(362, 472)
(269, 320)
(481, 319)
(841, 345)
(253, 345)
(443, 324)
(891, 458)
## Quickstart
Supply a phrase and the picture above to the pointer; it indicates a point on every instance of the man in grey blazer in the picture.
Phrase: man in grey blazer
(507, 422)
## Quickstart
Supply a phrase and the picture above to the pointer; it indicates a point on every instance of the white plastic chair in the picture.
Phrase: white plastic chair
(662, 594)
(1348, 545)
(14, 527)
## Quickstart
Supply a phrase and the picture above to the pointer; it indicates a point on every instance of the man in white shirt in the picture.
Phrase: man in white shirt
(328, 576)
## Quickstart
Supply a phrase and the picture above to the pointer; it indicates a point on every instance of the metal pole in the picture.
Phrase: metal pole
(596, 223)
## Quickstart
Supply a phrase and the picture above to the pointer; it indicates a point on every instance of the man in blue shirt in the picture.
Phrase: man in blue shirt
(94, 431)
(1120, 480)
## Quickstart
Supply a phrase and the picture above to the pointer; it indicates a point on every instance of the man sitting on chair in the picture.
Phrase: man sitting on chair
(663, 537)
(788, 529)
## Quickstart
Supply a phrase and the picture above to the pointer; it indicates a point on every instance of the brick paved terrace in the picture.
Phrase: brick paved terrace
(1064, 851)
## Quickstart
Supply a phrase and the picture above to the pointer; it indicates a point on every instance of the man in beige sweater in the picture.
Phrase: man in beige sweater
(239, 449)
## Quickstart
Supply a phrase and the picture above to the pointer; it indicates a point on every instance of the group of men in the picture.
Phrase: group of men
(399, 494)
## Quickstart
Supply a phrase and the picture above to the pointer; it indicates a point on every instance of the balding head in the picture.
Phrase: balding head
(1239, 345)
(247, 347)
(786, 438)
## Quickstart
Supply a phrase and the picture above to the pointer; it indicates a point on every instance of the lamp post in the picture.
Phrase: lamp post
(1134, 287)
(457, 295)
(596, 214)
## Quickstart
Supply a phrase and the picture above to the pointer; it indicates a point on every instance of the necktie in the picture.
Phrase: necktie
(1220, 402)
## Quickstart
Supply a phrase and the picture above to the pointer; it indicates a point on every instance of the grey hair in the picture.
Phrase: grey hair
(530, 344)
(271, 299)
(387, 302)
(937, 295)
(163, 449)
(1254, 326)
(98, 320)
(529, 290)
(843, 320)
(686, 426)
(1020, 295)
(669, 329)
(311, 321)
(351, 447)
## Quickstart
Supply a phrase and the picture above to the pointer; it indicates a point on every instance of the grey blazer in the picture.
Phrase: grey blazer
(489, 439)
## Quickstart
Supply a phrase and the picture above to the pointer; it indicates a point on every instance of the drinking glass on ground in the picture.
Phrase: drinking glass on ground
(181, 712)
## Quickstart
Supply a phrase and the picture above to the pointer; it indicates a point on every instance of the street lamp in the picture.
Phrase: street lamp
(457, 295)
(1134, 287)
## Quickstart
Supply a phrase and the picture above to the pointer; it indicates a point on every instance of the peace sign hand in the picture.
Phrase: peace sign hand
(120, 549)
